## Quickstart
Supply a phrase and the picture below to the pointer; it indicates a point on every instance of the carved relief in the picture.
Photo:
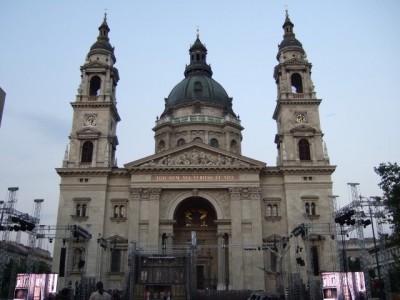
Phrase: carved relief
(215, 134)
(196, 158)
(164, 203)
(223, 200)
(181, 134)
(197, 133)
(135, 193)
(245, 193)
(235, 193)
(255, 193)
(154, 193)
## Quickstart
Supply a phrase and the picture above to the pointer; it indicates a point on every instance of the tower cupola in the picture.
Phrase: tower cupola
(289, 42)
(198, 59)
(102, 45)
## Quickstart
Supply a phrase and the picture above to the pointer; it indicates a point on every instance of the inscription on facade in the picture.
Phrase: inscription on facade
(194, 177)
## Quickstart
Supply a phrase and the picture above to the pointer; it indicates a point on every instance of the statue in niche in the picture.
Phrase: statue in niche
(188, 218)
(203, 217)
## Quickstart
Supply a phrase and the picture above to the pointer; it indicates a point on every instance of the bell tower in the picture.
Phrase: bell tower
(93, 138)
(299, 137)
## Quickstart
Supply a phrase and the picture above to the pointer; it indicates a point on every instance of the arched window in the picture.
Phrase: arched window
(78, 210)
(181, 142)
(269, 210)
(87, 152)
(121, 211)
(199, 140)
(161, 146)
(234, 146)
(197, 109)
(304, 150)
(214, 143)
(95, 84)
(296, 83)
(275, 210)
(83, 210)
(116, 209)
(198, 86)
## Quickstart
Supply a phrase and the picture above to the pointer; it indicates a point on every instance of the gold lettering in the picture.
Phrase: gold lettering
(194, 177)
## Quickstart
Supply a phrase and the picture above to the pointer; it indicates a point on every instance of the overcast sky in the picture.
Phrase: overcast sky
(353, 46)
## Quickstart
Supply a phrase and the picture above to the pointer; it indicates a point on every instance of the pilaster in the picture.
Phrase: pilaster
(154, 215)
(236, 253)
(134, 214)
(221, 262)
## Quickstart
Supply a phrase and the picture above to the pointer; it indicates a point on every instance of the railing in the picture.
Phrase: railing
(99, 98)
(198, 118)
(300, 95)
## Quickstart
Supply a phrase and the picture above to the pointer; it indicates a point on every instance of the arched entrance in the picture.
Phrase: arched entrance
(197, 214)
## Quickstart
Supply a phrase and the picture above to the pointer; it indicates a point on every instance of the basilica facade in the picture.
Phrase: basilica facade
(196, 209)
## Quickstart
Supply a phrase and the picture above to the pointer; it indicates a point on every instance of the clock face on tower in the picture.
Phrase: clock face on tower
(301, 118)
(90, 120)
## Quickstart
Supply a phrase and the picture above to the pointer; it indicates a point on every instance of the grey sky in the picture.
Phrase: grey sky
(353, 46)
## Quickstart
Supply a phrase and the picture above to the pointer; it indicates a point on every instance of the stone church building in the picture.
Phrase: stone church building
(196, 213)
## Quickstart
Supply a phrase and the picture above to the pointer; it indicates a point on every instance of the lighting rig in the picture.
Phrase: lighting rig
(64, 232)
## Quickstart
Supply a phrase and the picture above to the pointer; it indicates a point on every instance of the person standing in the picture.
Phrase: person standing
(100, 294)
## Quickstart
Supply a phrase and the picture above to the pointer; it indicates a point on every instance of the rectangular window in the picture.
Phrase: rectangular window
(314, 255)
(273, 262)
(115, 260)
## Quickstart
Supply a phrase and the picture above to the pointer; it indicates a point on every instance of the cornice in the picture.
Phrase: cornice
(96, 104)
(190, 169)
(293, 101)
(84, 171)
(290, 170)
(92, 103)
(298, 101)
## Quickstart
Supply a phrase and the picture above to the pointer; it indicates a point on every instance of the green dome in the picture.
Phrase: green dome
(290, 42)
(103, 45)
(198, 88)
(198, 85)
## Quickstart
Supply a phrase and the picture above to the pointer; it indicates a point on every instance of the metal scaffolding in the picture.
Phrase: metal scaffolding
(360, 221)
(5, 223)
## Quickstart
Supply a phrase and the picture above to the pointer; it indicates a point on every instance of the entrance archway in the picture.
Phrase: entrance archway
(197, 214)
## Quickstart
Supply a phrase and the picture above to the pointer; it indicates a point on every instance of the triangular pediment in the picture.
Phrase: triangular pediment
(296, 61)
(195, 155)
(117, 239)
(95, 64)
(303, 129)
(88, 131)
